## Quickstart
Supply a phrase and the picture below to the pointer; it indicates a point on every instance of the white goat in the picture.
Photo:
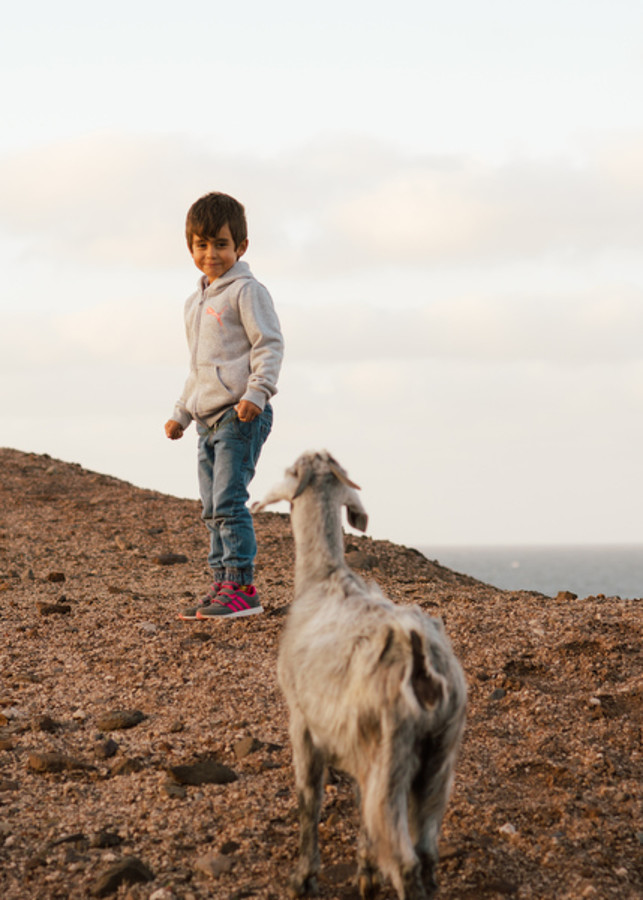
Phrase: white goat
(373, 689)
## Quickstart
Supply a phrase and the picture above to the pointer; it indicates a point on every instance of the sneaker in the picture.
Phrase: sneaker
(191, 613)
(232, 602)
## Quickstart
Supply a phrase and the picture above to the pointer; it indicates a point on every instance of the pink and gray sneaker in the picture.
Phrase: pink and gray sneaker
(232, 602)
(204, 603)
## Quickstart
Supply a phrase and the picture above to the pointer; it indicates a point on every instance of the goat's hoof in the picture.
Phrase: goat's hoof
(303, 887)
(367, 885)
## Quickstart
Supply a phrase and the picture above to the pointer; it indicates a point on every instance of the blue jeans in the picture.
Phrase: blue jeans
(228, 454)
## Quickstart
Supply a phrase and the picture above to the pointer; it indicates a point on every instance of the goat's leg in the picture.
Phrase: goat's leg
(385, 818)
(309, 772)
(367, 881)
(428, 800)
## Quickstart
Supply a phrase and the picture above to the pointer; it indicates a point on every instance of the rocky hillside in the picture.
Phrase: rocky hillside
(145, 757)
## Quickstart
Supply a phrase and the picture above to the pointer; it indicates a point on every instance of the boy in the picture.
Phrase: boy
(236, 349)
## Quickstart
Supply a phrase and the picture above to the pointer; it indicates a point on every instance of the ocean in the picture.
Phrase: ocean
(610, 569)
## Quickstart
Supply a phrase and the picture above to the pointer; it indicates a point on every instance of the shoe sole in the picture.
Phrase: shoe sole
(232, 615)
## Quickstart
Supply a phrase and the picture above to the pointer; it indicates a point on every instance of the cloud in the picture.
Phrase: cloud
(586, 328)
(335, 206)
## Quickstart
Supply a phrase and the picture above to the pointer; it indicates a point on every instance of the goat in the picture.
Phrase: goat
(373, 689)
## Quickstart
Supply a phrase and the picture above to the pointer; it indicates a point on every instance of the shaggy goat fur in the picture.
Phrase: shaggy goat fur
(373, 689)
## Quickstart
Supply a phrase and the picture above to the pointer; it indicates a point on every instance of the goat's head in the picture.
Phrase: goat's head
(320, 471)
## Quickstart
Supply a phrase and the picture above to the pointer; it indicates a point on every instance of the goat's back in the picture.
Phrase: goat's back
(352, 663)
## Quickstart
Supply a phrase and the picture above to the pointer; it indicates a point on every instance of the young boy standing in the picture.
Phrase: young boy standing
(236, 349)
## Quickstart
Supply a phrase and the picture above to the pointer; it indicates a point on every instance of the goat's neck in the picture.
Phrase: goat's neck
(319, 543)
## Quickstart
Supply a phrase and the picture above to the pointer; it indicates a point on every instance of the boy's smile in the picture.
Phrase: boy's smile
(214, 256)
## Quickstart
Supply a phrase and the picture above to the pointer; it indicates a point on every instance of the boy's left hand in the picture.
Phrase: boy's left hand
(247, 411)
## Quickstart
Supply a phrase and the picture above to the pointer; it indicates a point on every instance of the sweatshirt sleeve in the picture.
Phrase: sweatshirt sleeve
(259, 318)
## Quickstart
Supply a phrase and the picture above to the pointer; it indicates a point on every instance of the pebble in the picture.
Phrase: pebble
(169, 559)
(119, 719)
(206, 772)
(162, 894)
(128, 871)
(214, 865)
(54, 762)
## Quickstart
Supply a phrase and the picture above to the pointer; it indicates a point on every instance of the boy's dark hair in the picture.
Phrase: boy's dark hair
(207, 216)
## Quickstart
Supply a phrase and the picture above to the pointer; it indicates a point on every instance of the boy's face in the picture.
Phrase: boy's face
(214, 256)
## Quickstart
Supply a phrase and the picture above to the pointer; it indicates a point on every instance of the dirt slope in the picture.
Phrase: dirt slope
(546, 801)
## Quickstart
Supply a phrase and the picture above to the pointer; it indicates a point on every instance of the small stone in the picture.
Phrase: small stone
(126, 766)
(56, 577)
(359, 560)
(246, 746)
(214, 865)
(149, 627)
(566, 596)
(103, 839)
(46, 724)
(507, 829)
(208, 771)
(169, 559)
(174, 790)
(229, 847)
(47, 763)
(129, 870)
(498, 694)
(7, 785)
(106, 749)
(162, 894)
(119, 719)
(52, 609)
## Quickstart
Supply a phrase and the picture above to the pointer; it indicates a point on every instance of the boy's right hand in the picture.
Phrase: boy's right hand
(173, 430)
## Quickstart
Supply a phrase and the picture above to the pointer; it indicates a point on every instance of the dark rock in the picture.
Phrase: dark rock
(56, 577)
(566, 595)
(357, 559)
(54, 762)
(169, 559)
(498, 694)
(208, 771)
(129, 870)
(229, 847)
(6, 785)
(106, 749)
(104, 839)
(119, 719)
(126, 766)
(46, 724)
(49, 609)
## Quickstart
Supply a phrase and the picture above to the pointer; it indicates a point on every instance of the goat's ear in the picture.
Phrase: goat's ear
(357, 515)
(340, 474)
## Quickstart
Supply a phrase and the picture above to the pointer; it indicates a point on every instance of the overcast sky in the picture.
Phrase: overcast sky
(445, 201)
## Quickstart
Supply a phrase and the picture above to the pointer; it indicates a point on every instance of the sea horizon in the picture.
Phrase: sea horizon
(615, 569)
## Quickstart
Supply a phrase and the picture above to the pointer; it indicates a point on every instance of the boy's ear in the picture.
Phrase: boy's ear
(241, 249)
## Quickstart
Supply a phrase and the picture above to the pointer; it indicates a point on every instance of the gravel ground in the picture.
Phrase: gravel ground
(145, 757)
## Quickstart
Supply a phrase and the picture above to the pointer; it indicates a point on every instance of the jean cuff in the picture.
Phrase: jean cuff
(240, 576)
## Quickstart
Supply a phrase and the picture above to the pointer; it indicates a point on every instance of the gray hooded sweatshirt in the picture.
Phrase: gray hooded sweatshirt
(235, 343)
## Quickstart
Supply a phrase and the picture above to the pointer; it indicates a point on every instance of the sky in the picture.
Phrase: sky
(444, 200)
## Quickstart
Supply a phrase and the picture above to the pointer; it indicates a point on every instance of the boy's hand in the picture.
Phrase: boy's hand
(247, 411)
(173, 430)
